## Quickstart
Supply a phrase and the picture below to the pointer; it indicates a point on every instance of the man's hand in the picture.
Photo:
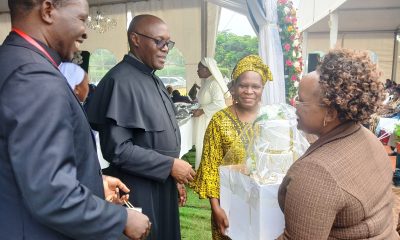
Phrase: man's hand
(182, 194)
(197, 112)
(182, 171)
(112, 187)
(137, 226)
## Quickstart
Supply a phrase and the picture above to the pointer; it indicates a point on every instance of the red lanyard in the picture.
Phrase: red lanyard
(35, 44)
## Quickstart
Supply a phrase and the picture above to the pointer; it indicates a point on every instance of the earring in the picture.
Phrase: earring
(324, 122)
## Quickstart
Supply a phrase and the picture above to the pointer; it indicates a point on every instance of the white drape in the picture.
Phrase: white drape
(264, 17)
(5, 26)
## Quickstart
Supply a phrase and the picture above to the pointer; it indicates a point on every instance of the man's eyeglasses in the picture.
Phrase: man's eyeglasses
(300, 103)
(160, 43)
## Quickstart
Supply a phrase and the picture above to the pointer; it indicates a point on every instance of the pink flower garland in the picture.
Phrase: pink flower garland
(290, 40)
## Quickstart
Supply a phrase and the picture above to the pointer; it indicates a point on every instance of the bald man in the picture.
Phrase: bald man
(139, 134)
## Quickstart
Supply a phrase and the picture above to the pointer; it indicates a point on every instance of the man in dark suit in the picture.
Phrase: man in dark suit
(50, 178)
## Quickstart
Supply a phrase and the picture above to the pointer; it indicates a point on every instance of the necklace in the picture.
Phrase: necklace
(242, 124)
(238, 118)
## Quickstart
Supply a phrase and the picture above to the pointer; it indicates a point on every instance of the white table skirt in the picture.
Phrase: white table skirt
(186, 129)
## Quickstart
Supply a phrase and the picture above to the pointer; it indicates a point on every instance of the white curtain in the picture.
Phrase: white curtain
(5, 26)
(264, 17)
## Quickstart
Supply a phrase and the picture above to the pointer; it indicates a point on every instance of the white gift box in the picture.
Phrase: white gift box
(252, 209)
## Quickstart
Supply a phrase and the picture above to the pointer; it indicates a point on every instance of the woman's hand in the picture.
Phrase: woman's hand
(198, 112)
(220, 219)
(112, 187)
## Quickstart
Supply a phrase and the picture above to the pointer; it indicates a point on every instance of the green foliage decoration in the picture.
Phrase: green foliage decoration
(230, 48)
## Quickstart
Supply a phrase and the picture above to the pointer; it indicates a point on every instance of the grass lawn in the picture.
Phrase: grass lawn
(195, 216)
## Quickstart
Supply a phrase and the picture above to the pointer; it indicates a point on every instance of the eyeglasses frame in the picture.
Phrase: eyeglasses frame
(158, 41)
(299, 103)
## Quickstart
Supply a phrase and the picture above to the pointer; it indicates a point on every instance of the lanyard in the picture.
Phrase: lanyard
(35, 44)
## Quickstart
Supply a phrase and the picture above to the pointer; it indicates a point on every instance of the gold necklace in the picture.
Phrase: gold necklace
(237, 116)
(241, 123)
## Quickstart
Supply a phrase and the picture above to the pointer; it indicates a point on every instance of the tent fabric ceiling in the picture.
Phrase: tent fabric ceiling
(4, 4)
(239, 6)
(363, 16)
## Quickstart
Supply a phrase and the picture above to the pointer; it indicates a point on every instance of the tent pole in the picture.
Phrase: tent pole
(333, 26)
(204, 17)
(395, 55)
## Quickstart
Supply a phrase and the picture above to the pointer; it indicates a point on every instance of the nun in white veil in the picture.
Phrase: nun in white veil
(212, 97)
(77, 79)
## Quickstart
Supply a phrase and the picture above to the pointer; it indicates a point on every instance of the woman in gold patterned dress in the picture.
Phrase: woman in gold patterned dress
(224, 131)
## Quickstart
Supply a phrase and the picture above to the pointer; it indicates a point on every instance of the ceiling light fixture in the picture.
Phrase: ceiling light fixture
(100, 23)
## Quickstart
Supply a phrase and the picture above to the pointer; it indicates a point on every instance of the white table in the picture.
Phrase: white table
(387, 124)
(186, 129)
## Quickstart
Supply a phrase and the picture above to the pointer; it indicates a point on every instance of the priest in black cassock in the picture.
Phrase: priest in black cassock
(139, 135)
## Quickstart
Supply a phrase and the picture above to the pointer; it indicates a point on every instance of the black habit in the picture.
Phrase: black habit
(140, 137)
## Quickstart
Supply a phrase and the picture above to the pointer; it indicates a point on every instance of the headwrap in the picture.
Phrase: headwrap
(252, 63)
(73, 73)
(211, 64)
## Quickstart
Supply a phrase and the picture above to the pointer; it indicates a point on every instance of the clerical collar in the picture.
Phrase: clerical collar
(139, 64)
(132, 55)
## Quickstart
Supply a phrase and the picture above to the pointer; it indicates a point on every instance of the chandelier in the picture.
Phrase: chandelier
(100, 23)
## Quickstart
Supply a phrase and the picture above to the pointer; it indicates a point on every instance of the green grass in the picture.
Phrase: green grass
(195, 218)
(195, 215)
(190, 157)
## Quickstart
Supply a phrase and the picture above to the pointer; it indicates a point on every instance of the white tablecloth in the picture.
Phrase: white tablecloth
(186, 129)
(103, 162)
(387, 124)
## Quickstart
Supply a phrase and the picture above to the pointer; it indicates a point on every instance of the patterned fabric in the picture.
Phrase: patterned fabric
(211, 100)
(223, 135)
(252, 63)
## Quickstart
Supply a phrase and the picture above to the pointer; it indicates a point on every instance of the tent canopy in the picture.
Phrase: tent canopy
(191, 23)
(354, 15)
(4, 4)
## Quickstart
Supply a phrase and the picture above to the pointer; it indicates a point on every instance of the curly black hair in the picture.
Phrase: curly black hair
(350, 83)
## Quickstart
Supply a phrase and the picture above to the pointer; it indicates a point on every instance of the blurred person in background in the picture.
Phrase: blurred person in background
(211, 97)
(77, 79)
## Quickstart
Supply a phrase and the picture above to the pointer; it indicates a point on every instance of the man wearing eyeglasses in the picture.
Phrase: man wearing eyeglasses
(139, 134)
